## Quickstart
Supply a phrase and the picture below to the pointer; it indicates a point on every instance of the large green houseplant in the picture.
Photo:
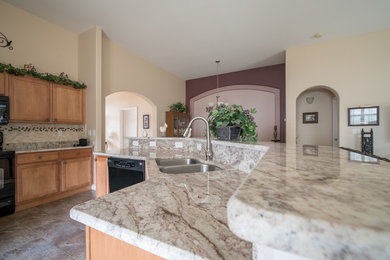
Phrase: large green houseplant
(234, 115)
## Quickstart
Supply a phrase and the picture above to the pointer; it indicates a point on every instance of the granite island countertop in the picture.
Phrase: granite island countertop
(175, 216)
(317, 202)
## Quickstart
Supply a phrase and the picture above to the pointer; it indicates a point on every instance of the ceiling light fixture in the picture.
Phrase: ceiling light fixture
(318, 35)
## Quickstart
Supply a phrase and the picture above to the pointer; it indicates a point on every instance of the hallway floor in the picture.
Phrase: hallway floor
(44, 232)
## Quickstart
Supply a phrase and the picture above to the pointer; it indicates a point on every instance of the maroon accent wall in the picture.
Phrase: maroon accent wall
(271, 76)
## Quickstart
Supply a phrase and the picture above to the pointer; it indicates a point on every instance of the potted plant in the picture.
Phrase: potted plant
(229, 122)
(177, 107)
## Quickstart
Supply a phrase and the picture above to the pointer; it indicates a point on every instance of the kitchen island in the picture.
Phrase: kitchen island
(314, 202)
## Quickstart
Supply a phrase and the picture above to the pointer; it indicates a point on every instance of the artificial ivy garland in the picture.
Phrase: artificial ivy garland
(44, 76)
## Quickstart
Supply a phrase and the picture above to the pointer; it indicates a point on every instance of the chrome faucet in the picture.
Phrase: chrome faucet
(187, 133)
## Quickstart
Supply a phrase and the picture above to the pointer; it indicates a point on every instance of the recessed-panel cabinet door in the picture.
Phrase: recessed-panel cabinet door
(29, 99)
(37, 180)
(76, 173)
(68, 104)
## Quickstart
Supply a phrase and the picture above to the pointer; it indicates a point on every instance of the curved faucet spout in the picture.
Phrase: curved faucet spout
(187, 132)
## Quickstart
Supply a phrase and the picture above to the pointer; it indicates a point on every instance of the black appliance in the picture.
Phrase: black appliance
(4, 110)
(1, 141)
(124, 172)
(7, 182)
(83, 142)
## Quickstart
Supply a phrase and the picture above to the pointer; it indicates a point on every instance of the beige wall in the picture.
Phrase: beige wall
(48, 47)
(320, 133)
(357, 68)
(119, 100)
(124, 71)
(90, 72)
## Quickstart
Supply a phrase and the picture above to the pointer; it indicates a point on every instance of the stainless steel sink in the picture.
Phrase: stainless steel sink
(190, 168)
(175, 162)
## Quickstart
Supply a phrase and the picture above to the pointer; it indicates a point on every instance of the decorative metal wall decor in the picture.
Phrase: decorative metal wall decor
(4, 42)
(367, 139)
(146, 121)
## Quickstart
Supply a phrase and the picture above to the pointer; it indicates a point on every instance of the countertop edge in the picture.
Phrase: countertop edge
(143, 242)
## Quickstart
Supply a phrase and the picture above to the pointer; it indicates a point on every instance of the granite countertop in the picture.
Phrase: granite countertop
(317, 202)
(52, 149)
(176, 216)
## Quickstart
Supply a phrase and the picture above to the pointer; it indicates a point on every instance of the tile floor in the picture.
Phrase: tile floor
(44, 232)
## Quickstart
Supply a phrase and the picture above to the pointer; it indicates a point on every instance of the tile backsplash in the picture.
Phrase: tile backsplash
(17, 133)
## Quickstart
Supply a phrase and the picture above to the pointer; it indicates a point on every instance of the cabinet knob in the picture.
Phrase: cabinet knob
(39, 157)
(56, 163)
(64, 162)
(48, 119)
(55, 119)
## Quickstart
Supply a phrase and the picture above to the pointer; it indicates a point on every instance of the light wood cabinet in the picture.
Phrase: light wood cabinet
(76, 173)
(102, 246)
(37, 180)
(101, 176)
(68, 104)
(3, 84)
(42, 177)
(29, 99)
(177, 123)
(36, 100)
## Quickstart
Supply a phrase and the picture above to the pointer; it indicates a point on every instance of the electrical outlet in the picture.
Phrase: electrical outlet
(199, 147)
(135, 153)
(93, 132)
(152, 155)
(178, 144)
(135, 143)
(59, 132)
(152, 143)
(89, 132)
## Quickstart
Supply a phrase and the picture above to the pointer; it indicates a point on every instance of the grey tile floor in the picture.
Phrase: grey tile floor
(44, 232)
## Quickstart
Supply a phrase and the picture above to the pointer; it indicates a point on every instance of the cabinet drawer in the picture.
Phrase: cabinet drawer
(75, 153)
(36, 157)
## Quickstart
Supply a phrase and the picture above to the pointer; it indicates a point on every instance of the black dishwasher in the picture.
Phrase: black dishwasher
(124, 172)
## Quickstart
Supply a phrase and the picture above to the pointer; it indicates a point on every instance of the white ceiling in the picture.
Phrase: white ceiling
(185, 37)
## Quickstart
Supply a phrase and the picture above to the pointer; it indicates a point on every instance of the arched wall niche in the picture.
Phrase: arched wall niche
(265, 99)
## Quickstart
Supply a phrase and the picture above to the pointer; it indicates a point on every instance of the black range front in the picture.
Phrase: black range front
(124, 172)
(7, 182)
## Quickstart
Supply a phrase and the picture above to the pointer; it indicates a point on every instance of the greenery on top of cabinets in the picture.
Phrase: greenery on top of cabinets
(234, 115)
(44, 76)
(177, 107)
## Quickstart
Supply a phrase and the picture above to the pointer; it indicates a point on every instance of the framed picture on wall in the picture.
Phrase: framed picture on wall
(146, 121)
(360, 116)
(310, 118)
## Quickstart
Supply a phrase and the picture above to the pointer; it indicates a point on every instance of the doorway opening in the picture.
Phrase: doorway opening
(124, 112)
(318, 117)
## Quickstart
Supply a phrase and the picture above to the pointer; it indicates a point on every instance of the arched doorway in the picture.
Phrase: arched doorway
(317, 117)
(124, 115)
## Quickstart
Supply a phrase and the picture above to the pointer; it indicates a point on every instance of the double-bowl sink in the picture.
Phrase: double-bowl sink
(184, 165)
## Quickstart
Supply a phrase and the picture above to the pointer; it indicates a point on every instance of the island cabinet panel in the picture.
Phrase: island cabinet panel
(101, 176)
(29, 99)
(3, 84)
(101, 246)
(76, 173)
(68, 104)
(37, 180)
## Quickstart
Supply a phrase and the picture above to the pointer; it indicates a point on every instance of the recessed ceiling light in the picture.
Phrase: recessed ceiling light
(318, 35)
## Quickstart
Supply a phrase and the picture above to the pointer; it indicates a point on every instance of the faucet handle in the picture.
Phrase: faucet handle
(187, 132)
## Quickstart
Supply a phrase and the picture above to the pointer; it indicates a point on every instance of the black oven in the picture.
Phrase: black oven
(4, 111)
(124, 172)
(7, 182)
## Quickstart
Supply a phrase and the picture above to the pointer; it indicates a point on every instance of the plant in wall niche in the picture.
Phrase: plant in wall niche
(177, 107)
(44, 76)
(227, 116)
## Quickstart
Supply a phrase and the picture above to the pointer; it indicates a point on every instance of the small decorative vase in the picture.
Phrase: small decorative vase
(228, 133)
(275, 132)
